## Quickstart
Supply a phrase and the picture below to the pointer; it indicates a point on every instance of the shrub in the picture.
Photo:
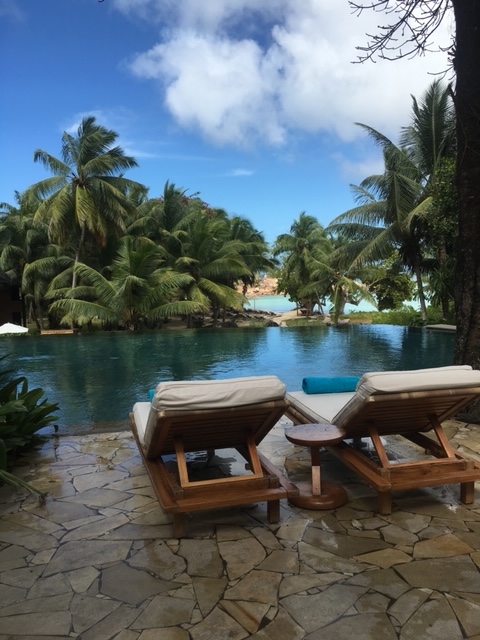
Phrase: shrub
(22, 415)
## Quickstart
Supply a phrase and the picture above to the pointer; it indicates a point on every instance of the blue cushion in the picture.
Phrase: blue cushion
(329, 385)
(151, 394)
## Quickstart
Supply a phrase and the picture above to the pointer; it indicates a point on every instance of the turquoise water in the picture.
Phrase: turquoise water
(276, 304)
(97, 378)
(281, 304)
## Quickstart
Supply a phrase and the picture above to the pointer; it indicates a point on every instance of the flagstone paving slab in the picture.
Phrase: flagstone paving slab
(435, 618)
(316, 611)
(372, 626)
(257, 586)
(54, 623)
(242, 555)
(218, 622)
(99, 560)
(283, 627)
(208, 592)
(157, 557)
(202, 557)
(247, 614)
(165, 611)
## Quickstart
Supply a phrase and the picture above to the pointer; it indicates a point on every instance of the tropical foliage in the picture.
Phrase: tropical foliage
(22, 414)
(395, 209)
(91, 249)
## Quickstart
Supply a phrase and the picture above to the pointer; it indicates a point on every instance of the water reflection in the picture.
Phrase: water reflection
(96, 379)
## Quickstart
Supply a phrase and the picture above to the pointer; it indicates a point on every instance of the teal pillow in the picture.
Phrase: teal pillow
(151, 394)
(329, 385)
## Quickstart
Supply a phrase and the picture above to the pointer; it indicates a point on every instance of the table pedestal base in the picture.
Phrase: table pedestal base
(317, 494)
(331, 497)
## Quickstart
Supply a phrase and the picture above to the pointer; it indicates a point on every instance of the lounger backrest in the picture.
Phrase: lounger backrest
(190, 395)
(213, 414)
(400, 401)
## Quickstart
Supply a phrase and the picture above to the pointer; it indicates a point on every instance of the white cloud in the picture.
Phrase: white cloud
(355, 171)
(10, 10)
(238, 173)
(240, 73)
(220, 87)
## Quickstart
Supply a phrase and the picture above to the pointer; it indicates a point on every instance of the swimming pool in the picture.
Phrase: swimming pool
(97, 378)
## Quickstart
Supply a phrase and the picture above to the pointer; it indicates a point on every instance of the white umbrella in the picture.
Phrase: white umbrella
(8, 328)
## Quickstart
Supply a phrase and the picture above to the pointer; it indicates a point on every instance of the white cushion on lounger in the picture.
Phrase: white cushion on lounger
(377, 383)
(320, 408)
(416, 380)
(335, 408)
(141, 411)
(193, 395)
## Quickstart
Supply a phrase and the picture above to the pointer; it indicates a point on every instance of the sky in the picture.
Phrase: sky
(250, 104)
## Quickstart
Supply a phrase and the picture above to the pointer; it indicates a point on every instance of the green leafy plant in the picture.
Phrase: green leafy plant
(23, 414)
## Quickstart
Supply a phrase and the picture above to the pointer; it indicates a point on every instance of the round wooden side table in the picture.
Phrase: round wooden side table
(317, 494)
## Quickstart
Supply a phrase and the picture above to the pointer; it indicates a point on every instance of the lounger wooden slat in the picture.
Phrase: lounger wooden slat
(166, 435)
(375, 413)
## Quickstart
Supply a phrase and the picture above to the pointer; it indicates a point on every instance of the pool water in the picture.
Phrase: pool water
(281, 304)
(274, 304)
(97, 378)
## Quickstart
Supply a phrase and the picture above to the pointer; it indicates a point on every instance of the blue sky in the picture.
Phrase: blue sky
(254, 108)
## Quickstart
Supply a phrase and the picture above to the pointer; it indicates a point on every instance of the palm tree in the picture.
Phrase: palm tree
(41, 276)
(430, 137)
(138, 292)
(161, 219)
(382, 221)
(22, 243)
(303, 250)
(214, 261)
(22, 240)
(392, 206)
(88, 195)
(252, 248)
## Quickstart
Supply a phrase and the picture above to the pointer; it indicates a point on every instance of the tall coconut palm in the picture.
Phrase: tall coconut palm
(159, 218)
(252, 247)
(213, 260)
(430, 137)
(392, 206)
(38, 279)
(305, 248)
(138, 291)
(23, 242)
(88, 194)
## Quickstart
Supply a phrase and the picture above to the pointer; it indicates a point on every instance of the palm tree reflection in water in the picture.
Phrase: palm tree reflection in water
(96, 379)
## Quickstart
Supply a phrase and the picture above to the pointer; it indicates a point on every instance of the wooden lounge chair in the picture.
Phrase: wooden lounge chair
(406, 403)
(194, 416)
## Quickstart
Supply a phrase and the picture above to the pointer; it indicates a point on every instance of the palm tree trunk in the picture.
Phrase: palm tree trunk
(215, 315)
(444, 298)
(421, 293)
(77, 257)
(37, 314)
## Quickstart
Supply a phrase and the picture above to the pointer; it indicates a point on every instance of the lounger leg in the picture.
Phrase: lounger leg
(467, 492)
(384, 503)
(179, 525)
(273, 511)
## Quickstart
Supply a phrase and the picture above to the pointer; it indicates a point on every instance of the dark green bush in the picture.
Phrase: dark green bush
(23, 414)
(405, 317)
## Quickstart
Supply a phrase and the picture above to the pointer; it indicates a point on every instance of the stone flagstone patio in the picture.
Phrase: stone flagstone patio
(98, 560)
